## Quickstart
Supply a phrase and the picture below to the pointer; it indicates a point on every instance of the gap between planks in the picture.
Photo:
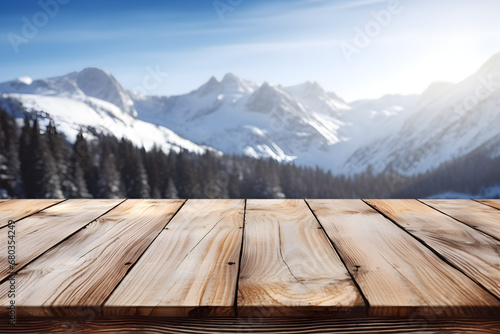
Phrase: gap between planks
(42, 234)
(396, 272)
(482, 218)
(289, 267)
(18, 209)
(235, 305)
(469, 251)
(83, 269)
(242, 245)
(190, 268)
(494, 203)
(360, 291)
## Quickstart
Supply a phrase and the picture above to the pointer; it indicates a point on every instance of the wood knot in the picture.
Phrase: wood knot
(230, 263)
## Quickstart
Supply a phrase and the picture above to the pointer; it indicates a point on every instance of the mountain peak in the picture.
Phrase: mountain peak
(89, 77)
(265, 85)
(212, 81)
(312, 86)
(229, 84)
(95, 70)
(25, 80)
(435, 90)
(210, 86)
(264, 98)
(101, 84)
(493, 64)
(236, 84)
(230, 78)
(267, 90)
(306, 88)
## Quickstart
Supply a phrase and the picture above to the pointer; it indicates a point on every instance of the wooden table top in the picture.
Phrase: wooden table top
(335, 259)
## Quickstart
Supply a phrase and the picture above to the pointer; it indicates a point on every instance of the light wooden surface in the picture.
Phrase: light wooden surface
(45, 229)
(289, 267)
(16, 209)
(397, 274)
(495, 203)
(84, 269)
(192, 267)
(477, 215)
(108, 263)
(475, 254)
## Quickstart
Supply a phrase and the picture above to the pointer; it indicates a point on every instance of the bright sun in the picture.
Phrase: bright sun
(451, 63)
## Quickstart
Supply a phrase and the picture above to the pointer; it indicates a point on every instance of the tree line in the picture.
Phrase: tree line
(38, 162)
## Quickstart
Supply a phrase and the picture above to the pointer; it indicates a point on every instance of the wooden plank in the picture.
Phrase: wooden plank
(38, 233)
(190, 269)
(83, 270)
(474, 253)
(479, 216)
(251, 326)
(288, 265)
(16, 209)
(491, 202)
(397, 274)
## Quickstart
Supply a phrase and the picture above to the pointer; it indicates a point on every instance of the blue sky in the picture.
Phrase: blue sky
(282, 42)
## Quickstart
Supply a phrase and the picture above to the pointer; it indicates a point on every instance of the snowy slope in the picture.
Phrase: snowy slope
(93, 100)
(234, 115)
(488, 192)
(301, 123)
(449, 124)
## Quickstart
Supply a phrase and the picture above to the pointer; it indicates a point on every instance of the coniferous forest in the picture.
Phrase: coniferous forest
(36, 163)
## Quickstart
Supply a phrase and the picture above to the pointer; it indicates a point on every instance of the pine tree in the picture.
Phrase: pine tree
(68, 169)
(152, 161)
(273, 181)
(213, 181)
(233, 186)
(25, 158)
(78, 179)
(171, 191)
(186, 178)
(83, 158)
(42, 168)
(11, 185)
(110, 183)
(133, 172)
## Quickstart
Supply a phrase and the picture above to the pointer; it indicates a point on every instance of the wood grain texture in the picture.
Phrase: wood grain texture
(289, 266)
(43, 230)
(477, 215)
(83, 270)
(495, 203)
(474, 253)
(190, 269)
(397, 274)
(128, 325)
(16, 209)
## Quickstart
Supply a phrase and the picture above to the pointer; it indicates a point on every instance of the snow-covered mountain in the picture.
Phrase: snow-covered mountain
(302, 123)
(238, 116)
(92, 100)
(451, 121)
